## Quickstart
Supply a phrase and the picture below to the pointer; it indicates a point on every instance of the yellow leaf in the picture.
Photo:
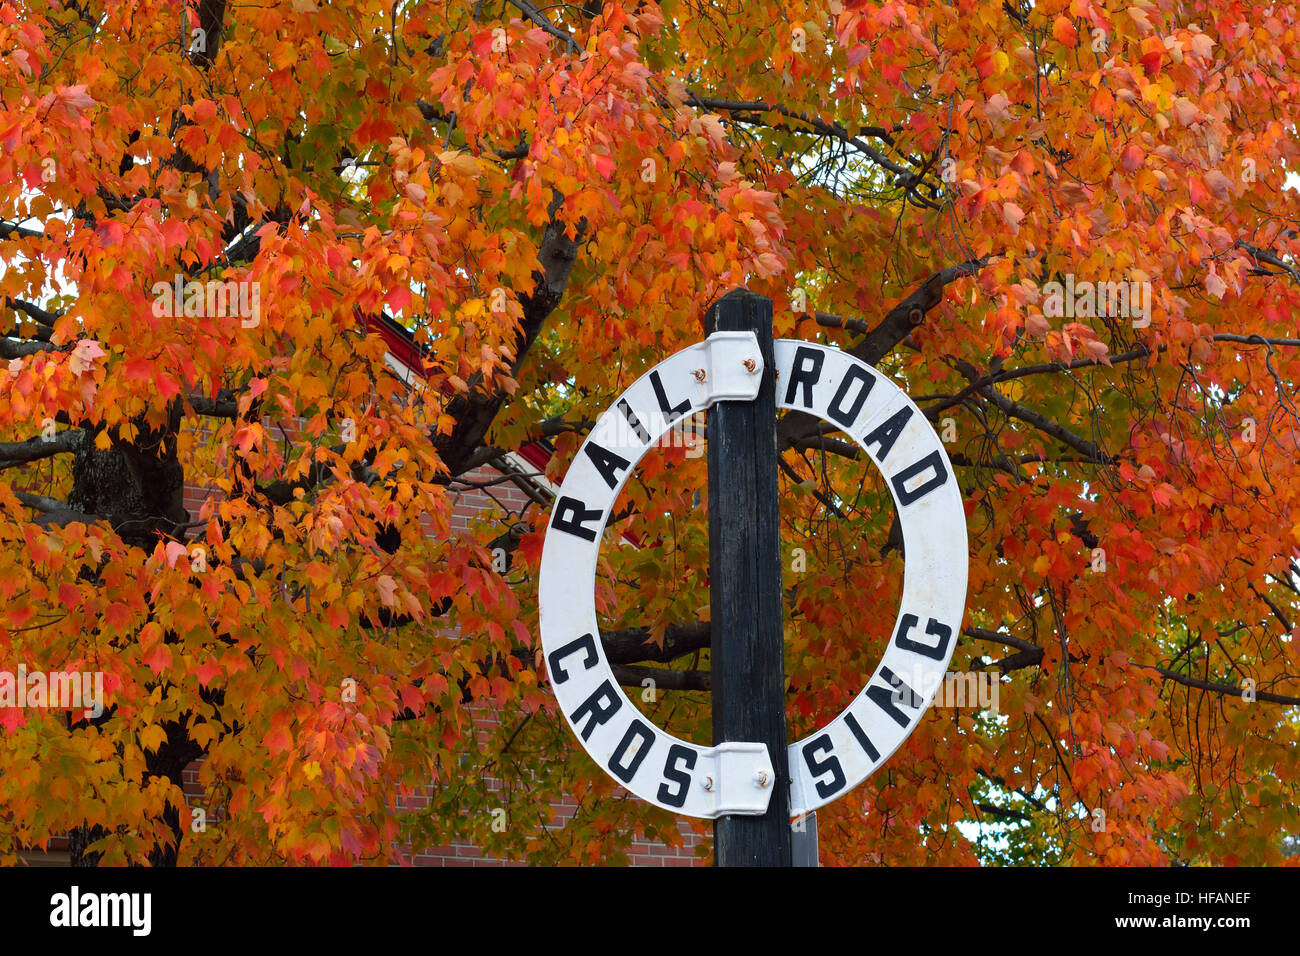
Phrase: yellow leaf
(152, 737)
(202, 734)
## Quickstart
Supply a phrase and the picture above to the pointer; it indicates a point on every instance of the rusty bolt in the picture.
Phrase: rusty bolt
(708, 783)
(761, 778)
(751, 366)
(699, 374)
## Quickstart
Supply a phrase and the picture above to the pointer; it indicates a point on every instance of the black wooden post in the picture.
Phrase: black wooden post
(745, 589)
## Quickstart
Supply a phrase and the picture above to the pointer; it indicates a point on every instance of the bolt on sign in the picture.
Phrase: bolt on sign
(736, 777)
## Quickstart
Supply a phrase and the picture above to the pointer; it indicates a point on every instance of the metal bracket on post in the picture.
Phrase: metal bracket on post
(732, 366)
(740, 778)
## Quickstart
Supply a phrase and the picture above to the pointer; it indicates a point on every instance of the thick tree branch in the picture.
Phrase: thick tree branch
(896, 326)
(42, 503)
(44, 320)
(836, 446)
(214, 407)
(829, 320)
(663, 679)
(633, 644)
(997, 637)
(282, 492)
(1002, 812)
(34, 449)
(475, 410)
(908, 314)
(55, 512)
(212, 17)
(11, 349)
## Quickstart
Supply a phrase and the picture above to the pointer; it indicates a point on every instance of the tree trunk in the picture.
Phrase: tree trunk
(138, 487)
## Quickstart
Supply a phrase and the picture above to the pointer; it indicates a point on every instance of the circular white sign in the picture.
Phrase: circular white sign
(735, 778)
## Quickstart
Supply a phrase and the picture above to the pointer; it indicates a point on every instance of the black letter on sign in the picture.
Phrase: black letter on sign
(837, 412)
(861, 736)
(805, 370)
(941, 631)
(592, 707)
(677, 754)
(638, 735)
(885, 699)
(886, 434)
(931, 461)
(571, 515)
(632, 420)
(606, 462)
(671, 411)
(818, 767)
(586, 643)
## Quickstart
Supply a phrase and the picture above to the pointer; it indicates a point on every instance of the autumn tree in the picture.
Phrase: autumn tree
(1064, 228)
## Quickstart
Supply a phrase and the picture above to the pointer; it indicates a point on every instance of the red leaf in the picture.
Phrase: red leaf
(206, 671)
(159, 659)
(117, 617)
(278, 740)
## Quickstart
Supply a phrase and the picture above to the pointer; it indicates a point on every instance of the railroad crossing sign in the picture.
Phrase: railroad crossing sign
(727, 374)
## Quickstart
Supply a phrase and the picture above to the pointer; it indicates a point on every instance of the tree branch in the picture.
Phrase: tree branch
(1031, 417)
(532, 13)
(44, 320)
(997, 637)
(10, 349)
(896, 326)
(908, 314)
(34, 449)
(663, 679)
(831, 129)
(829, 320)
(10, 228)
(55, 512)
(42, 503)
(1263, 255)
(1007, 375)
(475, 410)
(1277, 611)
(214, 407)
(1226, 689)
(633, 644)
